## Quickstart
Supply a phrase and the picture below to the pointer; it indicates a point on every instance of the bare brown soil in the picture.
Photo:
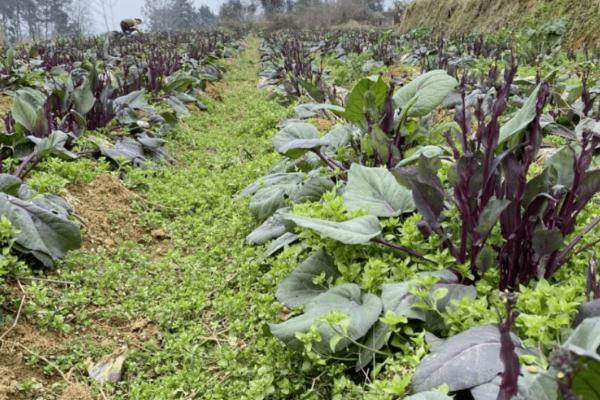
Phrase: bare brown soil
(400, 72)
(104, 206)
(215, 90)
(76, 391)
(323, 124)
(5, 103)
(21, 343)
(27, 341)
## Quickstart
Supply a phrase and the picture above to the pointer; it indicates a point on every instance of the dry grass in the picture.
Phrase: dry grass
(485, 16)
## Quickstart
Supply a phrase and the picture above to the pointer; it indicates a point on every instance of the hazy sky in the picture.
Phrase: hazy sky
(133, 8)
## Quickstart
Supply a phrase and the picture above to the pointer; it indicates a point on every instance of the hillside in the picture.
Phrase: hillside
(465, 16)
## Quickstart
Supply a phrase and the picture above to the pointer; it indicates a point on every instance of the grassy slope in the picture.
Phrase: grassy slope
(210, 296)
(466, 16)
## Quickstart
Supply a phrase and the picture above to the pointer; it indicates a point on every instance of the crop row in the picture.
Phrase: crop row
(468, 166)
(111, 97)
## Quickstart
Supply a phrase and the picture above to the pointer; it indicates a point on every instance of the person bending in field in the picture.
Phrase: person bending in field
(130, 25)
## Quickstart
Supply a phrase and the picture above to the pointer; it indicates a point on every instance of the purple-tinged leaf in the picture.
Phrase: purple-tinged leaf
(476, 350)
(546, 241)
(490, 214)
(509, 386)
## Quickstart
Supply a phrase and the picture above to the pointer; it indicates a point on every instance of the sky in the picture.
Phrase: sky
(133, 8)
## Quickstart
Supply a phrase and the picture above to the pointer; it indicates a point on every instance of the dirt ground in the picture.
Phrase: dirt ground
(323, 124)
(27, 341)
(22, 343)
(5, 103)
(104, 207)
(215, 89)
(76, 391)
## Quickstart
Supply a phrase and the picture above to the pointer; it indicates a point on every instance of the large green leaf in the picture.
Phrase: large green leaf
(355, 105)
(181, 82)
(313, 90)
(455, 291)
(312, 189)
(585, 382)
(339, 136)
(466, 360)
(10, 58)
(355, 231)
(9, 184)
(590, 309)
(13, 140)
(428, 151)
(584, 125)
(32, 96)
(532, 386)
(273, 180)
(362, 310)
(490, 215)
(428, 192)
(545, 241)
(425, 92)
(83, 98)
(521, 119)
(299, 287)
(178, 106)
(560, 164)
(53, 144)
(309, 110)
(270, 229)
(27, 110)
(537, 386)
(24, 113)
(373, 341)
(585, 339)
(380, 143)
(377, 191)
(270, 199)
(44, 232)
(284, 240)
(297, 138)
(136, 150)
(272, 191)
(134, 100)
(398, 297)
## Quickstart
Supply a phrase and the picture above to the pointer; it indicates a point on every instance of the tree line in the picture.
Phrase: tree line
(41, 19)
(45, 19)
(301, 13)
(177, 15)
(180, 14)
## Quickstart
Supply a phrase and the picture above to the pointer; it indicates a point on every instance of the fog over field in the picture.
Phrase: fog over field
(133, 8)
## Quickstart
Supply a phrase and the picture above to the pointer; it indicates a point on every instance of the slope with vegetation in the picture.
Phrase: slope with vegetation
(578, 19)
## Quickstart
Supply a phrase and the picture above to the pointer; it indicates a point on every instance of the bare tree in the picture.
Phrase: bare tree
(105, 8)
(81, 17)
(159, 14)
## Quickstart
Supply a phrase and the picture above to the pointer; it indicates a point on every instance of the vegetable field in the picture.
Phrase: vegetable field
(350, 213)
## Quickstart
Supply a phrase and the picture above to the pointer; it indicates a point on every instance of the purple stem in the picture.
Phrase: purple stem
(401, 248)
